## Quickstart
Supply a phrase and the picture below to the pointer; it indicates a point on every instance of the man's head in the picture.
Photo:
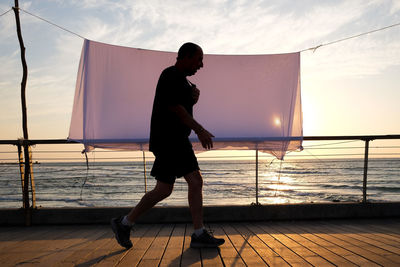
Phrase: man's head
(190, 58)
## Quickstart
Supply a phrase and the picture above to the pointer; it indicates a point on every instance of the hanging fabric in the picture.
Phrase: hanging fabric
(246, 101)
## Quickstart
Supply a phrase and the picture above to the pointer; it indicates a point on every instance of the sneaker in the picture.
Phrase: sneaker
(205, 240)
(122, 232)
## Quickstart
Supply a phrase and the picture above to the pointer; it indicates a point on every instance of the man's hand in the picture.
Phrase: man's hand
(195, 93)
(205, 138)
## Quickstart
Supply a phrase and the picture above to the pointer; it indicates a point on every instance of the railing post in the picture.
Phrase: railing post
(257, 203)
(365, 170)
(144, 172)
(32, 179)
(25, 193)
(21, 170)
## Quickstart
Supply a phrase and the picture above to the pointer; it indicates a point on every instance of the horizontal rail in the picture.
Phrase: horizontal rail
(258, 139)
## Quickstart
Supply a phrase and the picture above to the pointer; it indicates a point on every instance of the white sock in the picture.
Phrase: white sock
(125, 221)
(199, 231)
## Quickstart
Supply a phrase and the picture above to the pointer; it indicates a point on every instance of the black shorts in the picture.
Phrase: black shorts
(173, 164)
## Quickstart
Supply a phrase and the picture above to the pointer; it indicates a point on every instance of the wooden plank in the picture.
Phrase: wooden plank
(16, 233)
(77, 238)
(262, 249)
(98, 249)
(387, 225)
(348, 243)
(117, 253)
(173, 252)
(190, 257)
(34, 250)
(74, 255)
(228, 253)
(210, 256)
(153, 255)
(385, 230)
(376, 247)
(299, 249)
(135, 254)
(11, 250)
(265, 234)
(367, 238)
(393, 224)
(355, 238)
(291, 230)
(20, 234)
(244, 249)
(368, 230)
(330, 245)
(13, 238)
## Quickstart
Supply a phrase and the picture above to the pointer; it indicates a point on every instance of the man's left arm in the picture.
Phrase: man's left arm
(204, 136)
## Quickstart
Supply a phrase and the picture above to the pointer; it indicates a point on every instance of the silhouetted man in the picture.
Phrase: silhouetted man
(171, 124)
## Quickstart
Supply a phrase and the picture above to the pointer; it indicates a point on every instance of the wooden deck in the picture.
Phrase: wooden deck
(286, 243)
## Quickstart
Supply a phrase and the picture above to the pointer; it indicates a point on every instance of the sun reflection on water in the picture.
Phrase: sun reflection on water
(277, 187)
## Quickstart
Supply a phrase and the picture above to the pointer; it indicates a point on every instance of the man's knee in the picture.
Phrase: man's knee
(194, 180)
(163, 190)
(167, 192)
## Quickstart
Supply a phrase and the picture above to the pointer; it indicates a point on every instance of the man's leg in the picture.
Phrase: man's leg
(195, 197)
(200, 238)
(122, 225)
(161, 191)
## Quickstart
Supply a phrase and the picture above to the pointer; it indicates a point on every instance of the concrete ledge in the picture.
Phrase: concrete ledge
(44, 216)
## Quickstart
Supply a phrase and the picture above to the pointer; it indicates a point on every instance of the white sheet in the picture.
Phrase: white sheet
(246, 101)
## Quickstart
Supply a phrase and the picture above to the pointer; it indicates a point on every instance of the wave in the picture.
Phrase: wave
(303, 172)
(120, 184)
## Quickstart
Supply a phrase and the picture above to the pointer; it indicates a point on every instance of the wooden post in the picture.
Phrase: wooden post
(27, 166)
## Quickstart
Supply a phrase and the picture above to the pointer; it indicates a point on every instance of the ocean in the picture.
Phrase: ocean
(227, 182)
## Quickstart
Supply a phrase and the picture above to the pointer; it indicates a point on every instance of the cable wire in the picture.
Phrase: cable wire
(311, 48)
(350, 37)
(6, 12)
(329, 144)
(58, 26)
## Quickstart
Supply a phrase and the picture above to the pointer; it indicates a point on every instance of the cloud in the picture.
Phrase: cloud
(223, 27)
(395, 7)
(7, 24)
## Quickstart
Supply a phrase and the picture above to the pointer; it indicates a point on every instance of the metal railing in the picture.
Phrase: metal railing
(260, 186)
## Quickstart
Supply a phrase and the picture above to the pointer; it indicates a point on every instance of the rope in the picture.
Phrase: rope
(87, 172)
(58, 26)
(279, 177)
(6, 12)
(350, 37)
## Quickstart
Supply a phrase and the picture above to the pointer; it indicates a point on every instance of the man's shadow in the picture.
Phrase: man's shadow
(191, 256)
(100, 258)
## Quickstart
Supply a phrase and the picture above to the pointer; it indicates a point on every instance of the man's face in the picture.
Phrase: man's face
(194, 63)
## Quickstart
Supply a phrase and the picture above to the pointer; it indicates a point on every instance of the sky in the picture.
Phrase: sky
(348, 88)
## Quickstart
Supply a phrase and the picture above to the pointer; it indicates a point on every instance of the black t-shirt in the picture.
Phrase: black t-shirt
(166, 129)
